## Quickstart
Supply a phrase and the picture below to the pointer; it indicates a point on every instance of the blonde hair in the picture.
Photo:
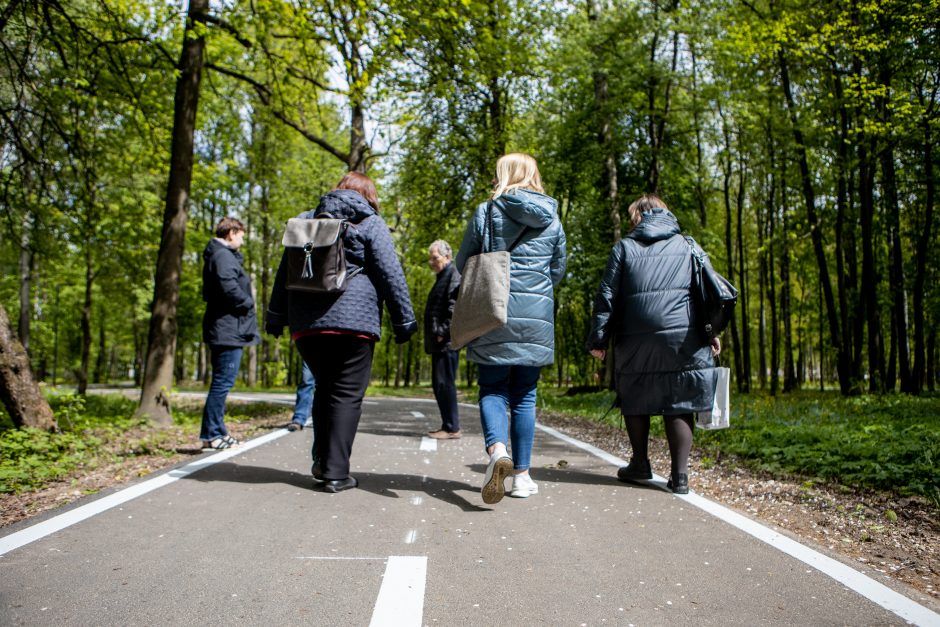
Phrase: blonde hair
(643, 204)
(517, 170)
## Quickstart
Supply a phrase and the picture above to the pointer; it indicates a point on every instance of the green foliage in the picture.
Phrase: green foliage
(29, 458)
(887, 443)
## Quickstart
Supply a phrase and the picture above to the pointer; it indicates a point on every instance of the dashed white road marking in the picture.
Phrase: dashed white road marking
(416, 500)
(411, 536)
(401, 597)
(864, 585)
(428, 444)
(417, 414)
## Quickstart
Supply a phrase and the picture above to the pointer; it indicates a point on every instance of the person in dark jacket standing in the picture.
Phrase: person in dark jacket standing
(228, 326)
(336, 332)
(511, 357)
(437, 316)
(663, 364)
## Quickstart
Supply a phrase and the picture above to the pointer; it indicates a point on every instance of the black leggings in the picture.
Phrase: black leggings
(342, 367)
(678, 434)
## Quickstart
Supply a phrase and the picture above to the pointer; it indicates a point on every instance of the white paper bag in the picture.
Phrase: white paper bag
(718, 417)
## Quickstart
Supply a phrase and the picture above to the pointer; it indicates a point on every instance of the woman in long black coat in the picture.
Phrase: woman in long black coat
(664, 364)
(336, 333)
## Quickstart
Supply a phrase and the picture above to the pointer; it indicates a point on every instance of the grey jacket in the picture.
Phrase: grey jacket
(538, 264)
(663, 363)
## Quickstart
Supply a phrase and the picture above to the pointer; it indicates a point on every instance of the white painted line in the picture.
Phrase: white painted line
(864, 585)
(416, 500)
(417, 414)
(401, 597)
(411, 536)
(71, 517)
(428, 444)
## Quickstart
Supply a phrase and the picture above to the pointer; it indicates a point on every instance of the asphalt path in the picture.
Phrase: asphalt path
(242, 537)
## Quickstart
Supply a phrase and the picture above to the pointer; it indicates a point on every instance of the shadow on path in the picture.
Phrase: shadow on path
(385, 485)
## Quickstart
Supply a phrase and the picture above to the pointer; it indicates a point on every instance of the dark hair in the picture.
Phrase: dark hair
(227, 225)
(361, 184)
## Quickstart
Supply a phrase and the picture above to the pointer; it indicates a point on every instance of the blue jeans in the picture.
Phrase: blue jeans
(303, 406)
(507, 408)
(225, 362)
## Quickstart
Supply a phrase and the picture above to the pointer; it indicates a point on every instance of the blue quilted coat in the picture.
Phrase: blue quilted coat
(538, 264)
(368, 246)
(662, 363)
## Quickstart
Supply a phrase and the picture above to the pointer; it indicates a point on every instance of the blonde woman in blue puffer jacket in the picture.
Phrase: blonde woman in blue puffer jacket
(525, 221)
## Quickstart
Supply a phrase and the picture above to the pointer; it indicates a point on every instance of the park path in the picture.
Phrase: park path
(240, 537)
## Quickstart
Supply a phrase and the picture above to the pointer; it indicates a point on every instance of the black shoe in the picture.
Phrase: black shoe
(678, 483)
(338, 485)
(636, 470)
(295, 426)
(317, 472)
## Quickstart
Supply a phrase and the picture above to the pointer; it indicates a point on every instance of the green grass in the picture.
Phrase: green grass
(887, 443)
(95, 430)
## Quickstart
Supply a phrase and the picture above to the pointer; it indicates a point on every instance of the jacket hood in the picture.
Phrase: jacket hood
(345, 204)
(215, 246)
(528, 207)
(655, 225)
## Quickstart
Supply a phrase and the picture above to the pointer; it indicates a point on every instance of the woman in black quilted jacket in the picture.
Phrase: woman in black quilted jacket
(664, 364)
(336, 333)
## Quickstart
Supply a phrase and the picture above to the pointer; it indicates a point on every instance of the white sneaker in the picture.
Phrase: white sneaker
(499, 468)
(523, 487)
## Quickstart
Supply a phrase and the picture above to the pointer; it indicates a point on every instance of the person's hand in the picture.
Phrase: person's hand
(273, 329)
(401, 339)
(599, 353)
(440, 338)
(716, 346)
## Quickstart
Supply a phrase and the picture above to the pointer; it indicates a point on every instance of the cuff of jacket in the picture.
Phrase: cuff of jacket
(275, 318)
(406, 329)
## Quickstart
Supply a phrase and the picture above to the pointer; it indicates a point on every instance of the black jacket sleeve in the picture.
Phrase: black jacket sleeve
(606, 301)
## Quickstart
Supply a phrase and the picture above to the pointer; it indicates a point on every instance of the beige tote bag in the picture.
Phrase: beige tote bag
(483, 297)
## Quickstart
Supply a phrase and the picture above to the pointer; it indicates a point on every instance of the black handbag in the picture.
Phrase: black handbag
(713, 296)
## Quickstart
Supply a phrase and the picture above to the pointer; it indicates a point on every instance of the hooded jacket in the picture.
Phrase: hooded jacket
(537, 266)
(368, 245)
(663, 363)
(230, 318)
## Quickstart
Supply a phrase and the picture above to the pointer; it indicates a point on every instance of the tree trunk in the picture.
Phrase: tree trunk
(727, 168)
(846, 282)
(890, 189)
(789, 372)
(161, 344)
(86, 325)
(809, 198)
(920, 272)
(744, 383)
(869, 280)
(19, 393)
(26, 279)
(100, 374)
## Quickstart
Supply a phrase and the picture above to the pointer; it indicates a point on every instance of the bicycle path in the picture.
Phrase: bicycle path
(241, 537)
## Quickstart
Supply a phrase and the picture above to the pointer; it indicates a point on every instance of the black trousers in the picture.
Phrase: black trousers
(443, 375)
(342, 366)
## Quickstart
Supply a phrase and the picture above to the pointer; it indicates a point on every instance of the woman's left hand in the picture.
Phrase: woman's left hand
(716, 346)
(599, 353)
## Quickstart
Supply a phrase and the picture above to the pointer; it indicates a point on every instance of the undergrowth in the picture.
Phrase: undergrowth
(887, 443)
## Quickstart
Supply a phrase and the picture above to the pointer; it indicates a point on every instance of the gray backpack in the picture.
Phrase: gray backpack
(316, 257)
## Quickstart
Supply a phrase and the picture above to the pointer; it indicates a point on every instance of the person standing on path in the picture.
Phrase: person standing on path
(521, 218)
(303, 404)
(336, 332)
(228, 325)
(663, 363)
(437, 316)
